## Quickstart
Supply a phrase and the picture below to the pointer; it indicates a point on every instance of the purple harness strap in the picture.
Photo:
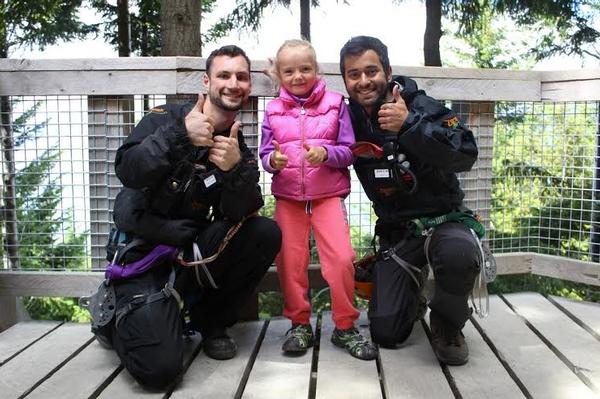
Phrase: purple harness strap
(160, 252)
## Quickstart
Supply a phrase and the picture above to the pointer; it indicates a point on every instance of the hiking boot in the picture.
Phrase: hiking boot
(219, 346)
(447, 341)
(298, 339)
(351, 340)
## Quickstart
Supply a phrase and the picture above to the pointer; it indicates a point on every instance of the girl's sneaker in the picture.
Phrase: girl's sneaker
(351, 340)
(298, 339)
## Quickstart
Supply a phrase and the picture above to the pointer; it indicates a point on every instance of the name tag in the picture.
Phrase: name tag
(209, 181)
(382, 173)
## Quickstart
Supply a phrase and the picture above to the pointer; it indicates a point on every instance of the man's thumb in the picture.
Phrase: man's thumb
(200, 102)
(277, 146)
(396, 93)
(235, 128)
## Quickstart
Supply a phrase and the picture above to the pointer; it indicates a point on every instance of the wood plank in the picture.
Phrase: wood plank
(540, 371)
(412, 370)
(47, 283)
(19, 375)
(567, 269)
(209, 378)
(276, 375)
(577, 345)
(339, 375)
(514, 263)
(82, 376)
(125, 386)
(19, 336)
(587, 312)
(584, 90)
(483, 376)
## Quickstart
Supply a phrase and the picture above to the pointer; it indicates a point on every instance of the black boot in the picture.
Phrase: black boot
(218, 345)
(447, 341)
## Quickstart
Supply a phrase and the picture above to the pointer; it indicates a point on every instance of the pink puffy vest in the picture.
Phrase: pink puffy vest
(316, 123)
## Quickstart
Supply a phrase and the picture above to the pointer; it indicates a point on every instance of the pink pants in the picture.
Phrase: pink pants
(332, 234)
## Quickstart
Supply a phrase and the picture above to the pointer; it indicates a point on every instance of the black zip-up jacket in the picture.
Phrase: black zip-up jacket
(169, 183)
(436, 145)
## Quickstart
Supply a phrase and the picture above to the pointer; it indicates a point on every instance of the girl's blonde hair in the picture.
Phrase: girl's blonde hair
(273, 71)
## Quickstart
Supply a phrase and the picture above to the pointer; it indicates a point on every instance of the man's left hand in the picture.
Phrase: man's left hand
(225, 153)
(393, 114)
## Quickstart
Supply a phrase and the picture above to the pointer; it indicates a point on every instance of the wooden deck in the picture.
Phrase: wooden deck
(530, 346)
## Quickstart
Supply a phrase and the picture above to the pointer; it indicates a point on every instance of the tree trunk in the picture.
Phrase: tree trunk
(123, 28)
(11, 238)
(305, 19)
(433, 33)
(180, 27)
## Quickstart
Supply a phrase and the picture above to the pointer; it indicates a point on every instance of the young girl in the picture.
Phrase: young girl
(306, 134)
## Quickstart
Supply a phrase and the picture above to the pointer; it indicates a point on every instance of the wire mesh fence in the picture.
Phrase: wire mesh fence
(534, 185)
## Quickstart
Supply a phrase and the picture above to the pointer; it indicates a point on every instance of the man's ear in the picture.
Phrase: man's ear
(205, 80)
(388, 74)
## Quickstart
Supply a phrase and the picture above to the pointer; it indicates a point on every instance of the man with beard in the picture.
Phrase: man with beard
(409, 149)
(191, 183)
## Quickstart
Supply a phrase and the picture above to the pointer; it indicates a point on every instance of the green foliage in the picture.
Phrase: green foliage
(268, 210)
(543, 178)
(40, 225)
(544, 285)
(54, 308)
(246, 15)
(40, 23)
(270, 304)
(144, 20)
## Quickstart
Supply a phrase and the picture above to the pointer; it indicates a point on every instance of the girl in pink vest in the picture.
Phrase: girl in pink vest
(306, 134)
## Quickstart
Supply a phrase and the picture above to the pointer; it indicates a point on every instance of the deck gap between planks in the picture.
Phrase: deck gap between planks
(30, 344)
(501, 358)
(444, 367)
(314, 366)
(251, 360)
(554, 349)
(571, 316)
(58, 367)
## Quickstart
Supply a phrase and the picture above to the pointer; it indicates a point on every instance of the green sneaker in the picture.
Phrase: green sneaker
(355, 343)
(299, 338)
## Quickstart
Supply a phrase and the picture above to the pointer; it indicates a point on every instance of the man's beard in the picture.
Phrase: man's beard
(218, 101)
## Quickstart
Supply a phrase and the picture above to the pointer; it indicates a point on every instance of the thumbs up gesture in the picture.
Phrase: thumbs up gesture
(199, 127)
(392, 114)
(315, 155)
(278, 160)
(225, 152)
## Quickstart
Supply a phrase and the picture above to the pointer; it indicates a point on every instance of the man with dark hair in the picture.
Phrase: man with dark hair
(409, 149)
(190, 183)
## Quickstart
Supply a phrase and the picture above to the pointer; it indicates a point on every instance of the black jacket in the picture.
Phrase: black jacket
(436, 145)
(170, 186)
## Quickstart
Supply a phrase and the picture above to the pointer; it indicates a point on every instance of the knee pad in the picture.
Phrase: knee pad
(391, 330)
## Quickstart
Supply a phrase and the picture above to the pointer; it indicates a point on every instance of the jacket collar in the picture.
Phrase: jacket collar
(315, 96)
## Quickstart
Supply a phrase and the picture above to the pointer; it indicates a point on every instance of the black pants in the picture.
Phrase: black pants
(454, 256)
(148, 339)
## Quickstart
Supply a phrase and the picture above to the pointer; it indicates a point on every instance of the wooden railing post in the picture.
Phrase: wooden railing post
(110, 119)
(477, 183)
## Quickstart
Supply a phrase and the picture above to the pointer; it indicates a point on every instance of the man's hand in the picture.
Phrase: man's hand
(278, 160)
(225, 153)
(199, 127)
(393, 114)
(315, 155)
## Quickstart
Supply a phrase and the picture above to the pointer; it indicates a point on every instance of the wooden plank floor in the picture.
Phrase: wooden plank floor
(529, 347)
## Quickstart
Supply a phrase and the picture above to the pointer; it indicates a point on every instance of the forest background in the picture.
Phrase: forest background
(505, 34)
